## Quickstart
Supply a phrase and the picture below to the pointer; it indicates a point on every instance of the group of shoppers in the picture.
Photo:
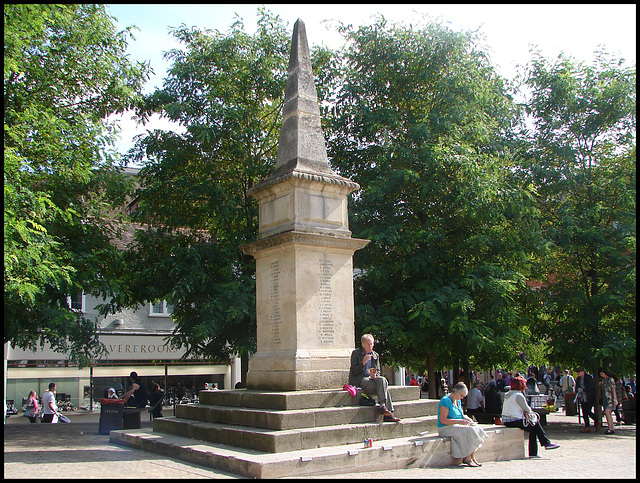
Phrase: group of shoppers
(614, 394)
(49, 408)
(136, 396)
(466, 438)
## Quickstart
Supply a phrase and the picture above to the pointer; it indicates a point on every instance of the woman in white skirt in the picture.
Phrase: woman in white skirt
(466, 436)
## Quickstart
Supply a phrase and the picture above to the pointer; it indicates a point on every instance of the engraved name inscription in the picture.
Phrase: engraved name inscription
(275, 318)
(326, 324)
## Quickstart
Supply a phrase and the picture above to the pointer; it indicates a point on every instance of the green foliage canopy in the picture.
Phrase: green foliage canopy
(582, 159)
(426, 127)
(227, 90)
(65, 71)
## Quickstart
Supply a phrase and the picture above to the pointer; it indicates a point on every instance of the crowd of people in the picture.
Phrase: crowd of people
(503, 400)
(484, 402)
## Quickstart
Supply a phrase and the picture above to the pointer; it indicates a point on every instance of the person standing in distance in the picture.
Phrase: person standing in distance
(363, 373)
(32, 407)
(155, 400)
(586, 394)
(50, 412)
(609, 398)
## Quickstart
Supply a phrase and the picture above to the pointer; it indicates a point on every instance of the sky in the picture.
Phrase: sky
(510, 30)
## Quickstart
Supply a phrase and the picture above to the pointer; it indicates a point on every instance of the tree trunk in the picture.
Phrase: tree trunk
(467, 374)
(431, 374)
(455, 370)
(244, 368)
(597, 407)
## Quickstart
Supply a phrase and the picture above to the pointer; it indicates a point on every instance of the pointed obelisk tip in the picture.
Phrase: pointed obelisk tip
(301, 145)
(299, 31)
(299, 55)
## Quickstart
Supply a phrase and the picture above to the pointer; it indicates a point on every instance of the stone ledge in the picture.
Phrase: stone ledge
(299, 418)
(277, 441)
(405, 452)
(285, 400)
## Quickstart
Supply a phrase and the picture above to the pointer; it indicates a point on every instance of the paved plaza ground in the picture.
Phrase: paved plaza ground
(77, 450)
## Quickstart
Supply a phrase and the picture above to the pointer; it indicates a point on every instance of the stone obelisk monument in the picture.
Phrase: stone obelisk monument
(304, 252)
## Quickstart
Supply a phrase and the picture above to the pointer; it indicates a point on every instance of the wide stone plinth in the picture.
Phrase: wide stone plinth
(298, 418)
(283, 400)
(281, 441)
(269, 434)
(422, 451)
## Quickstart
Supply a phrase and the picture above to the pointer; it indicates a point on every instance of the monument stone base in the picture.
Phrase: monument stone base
(304, 300)
(265, 434)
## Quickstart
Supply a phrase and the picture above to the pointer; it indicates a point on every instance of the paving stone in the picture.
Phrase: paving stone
(76, 450)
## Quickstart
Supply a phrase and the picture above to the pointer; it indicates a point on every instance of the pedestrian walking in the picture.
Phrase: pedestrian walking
(586, 394)
(609, 400)
(32, 407)
(50, 412)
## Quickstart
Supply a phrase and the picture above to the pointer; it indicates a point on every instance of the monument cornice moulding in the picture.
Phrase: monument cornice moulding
(307, 176)
(304, 238)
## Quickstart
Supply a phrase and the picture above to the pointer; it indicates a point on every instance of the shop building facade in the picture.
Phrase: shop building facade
(135, 340)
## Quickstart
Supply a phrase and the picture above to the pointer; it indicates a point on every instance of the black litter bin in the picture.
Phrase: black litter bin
(110, 415)
(569, 404)
(131, 418)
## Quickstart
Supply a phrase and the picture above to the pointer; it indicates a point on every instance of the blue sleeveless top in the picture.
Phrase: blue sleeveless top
(455, 412)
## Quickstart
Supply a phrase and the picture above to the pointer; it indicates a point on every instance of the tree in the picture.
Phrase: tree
(227, 90)
(65, 71)
(425, 126)
(582, 160)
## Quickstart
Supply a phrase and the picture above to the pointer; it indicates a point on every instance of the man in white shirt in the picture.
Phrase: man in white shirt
(567, 382)
(475, 403)
(49, 407)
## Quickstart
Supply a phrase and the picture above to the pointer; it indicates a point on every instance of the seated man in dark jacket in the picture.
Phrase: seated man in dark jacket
(492, 402)
(363, 373)
(155, 400)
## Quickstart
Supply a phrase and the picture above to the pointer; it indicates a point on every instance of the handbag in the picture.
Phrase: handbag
(31, 410)
(531, 419)
(366, 400)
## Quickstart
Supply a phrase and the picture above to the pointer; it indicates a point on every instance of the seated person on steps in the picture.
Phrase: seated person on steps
(136, 396)
(365, 364)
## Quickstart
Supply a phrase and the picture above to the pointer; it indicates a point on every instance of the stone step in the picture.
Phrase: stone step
(286, 400)
(300, 418)
(421, 451)
(276, 441)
